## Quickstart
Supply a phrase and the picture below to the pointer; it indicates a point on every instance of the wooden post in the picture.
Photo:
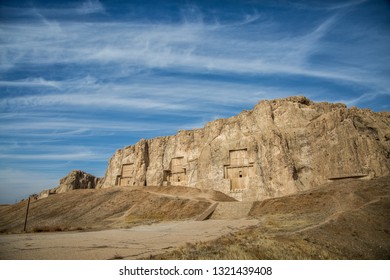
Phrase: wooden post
(25, 221)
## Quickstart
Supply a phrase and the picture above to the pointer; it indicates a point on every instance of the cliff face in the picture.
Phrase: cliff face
(278, 148)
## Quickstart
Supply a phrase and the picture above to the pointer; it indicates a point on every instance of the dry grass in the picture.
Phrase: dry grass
(106, 208)
(54, 229)
(346, 219)
(343, 220)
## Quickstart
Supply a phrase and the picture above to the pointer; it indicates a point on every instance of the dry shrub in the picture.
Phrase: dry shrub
(47, 229)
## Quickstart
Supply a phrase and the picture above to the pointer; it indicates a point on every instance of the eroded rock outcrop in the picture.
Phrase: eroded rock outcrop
(76, 179)
(278, 148)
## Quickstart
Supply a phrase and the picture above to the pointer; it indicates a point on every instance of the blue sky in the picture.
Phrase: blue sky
(80, 79)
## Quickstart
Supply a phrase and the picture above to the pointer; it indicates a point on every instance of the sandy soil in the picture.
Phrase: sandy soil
(345, 219)
(134, 243)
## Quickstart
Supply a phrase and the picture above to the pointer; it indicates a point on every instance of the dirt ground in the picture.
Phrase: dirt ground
(108, 208)
(346, 219)
(134, 243)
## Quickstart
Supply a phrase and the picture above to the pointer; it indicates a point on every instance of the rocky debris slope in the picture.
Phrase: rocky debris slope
(280, 147)
(76, 179)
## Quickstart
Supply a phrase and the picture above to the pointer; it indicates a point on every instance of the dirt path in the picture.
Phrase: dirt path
(137, 242)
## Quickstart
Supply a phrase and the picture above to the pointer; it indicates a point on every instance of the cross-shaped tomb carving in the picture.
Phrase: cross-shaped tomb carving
(239, 169)
(177, 174)
(126, 177)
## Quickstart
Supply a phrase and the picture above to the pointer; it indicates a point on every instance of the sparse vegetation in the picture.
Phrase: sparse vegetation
(342, 220)
(107, 208)
(47, 229)
(251, 244)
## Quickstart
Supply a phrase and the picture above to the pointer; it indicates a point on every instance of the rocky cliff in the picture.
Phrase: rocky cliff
(76, 179)
(280, 147)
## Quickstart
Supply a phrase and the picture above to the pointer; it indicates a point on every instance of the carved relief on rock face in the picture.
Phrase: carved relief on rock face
(126, 178)
(239, 169)
(280, 147)
(177, 174)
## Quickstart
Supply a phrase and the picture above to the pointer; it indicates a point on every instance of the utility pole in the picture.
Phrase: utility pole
(25, 220)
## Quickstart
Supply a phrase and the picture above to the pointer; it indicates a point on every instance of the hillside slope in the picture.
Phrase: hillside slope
(346, 219)
(114, 207)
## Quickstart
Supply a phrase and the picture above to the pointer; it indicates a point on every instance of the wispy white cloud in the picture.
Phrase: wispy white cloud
(31, 82)
(182, 47)
(364, 98)
(74, 126)
(91, 7)
(82, 8)
(347, 4)
(106, 100)
(167, 96)
(326, 5)
(263, 49)
(54, 157)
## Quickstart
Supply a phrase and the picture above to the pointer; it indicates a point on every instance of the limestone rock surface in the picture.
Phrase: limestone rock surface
(280, 147)
(76, 179)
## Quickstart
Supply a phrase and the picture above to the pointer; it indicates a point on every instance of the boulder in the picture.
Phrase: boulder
(76, 179)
